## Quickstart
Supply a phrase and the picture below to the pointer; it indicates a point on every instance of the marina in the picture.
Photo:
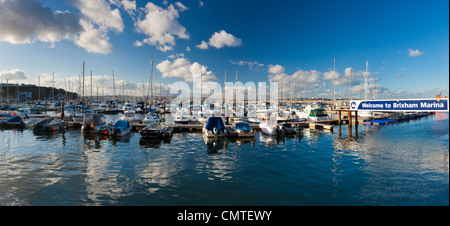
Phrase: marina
(230, 107)
(341, 166)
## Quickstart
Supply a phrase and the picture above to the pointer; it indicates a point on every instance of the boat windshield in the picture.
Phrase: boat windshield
(318, 113)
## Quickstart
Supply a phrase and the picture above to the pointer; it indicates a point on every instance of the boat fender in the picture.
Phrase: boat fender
(215, 131)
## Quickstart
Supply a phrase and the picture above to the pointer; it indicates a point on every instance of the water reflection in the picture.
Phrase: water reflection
(215, 146)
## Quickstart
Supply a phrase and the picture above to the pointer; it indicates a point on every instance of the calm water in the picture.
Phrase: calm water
(399, 164)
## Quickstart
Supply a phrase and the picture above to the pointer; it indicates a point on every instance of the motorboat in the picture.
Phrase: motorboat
(120, 128)
(289, 128)
(269, 126)
(243, 130)
(182, 116)
(314, 114)
(152, 117)
(101, 108)
(93, 123)
(54, 125)
(127, 107)
(41, 125)
(14, 121)
(214, 128)
(130, 115)
(152, 131)
(31, 113)
(233, 120)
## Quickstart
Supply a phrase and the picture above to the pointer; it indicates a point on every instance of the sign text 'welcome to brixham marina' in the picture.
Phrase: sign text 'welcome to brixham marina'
(432, 104)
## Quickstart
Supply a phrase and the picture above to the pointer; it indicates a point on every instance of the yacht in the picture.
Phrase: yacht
(314, 114)
(130, 116)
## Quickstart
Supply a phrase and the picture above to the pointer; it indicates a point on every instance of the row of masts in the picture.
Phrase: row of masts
(368, 94)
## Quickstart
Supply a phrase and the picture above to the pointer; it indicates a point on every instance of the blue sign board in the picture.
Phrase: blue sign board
(435, 104)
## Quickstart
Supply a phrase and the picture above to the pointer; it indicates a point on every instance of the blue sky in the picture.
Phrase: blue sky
(293, 42)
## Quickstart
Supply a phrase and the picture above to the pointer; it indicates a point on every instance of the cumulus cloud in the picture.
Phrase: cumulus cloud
(161, 26)
(413, 53)
(98, 20)
(100, 13)
(221, 39)
(93, 40)
(27, 21)
(202, 45)
(15, 74)
(304, 80)
(275, 69)
(184, 69)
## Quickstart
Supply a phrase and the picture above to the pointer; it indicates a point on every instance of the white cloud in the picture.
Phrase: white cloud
(275, 69)
(128, 5)
(27, 21)
(15, 74)
(138, 43)
(222, 38)
(202, 45)
(301, 80)
(330, 74)
(252, 65)
(93, 40)
(181, 6)
(99, 12)
(188, 48)
(413, 53)
(176, 55)
(161, 26)
(184, 69)
(200, 3)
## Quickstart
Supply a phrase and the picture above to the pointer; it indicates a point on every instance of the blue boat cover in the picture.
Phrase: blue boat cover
(243, 126)
(214, 122)
(14, 119)
(121, 124)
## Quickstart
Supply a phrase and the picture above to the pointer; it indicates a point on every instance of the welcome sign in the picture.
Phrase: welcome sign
(432, 104)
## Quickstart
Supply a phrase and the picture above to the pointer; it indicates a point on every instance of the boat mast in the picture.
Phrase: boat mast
(82, 88)
(366, 84)
(114, 88)
(53, 87)
(351, 74)
(39, 89)
(91, 88)
(334, 75)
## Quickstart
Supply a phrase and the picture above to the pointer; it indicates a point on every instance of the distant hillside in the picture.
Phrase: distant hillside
(32, 92)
